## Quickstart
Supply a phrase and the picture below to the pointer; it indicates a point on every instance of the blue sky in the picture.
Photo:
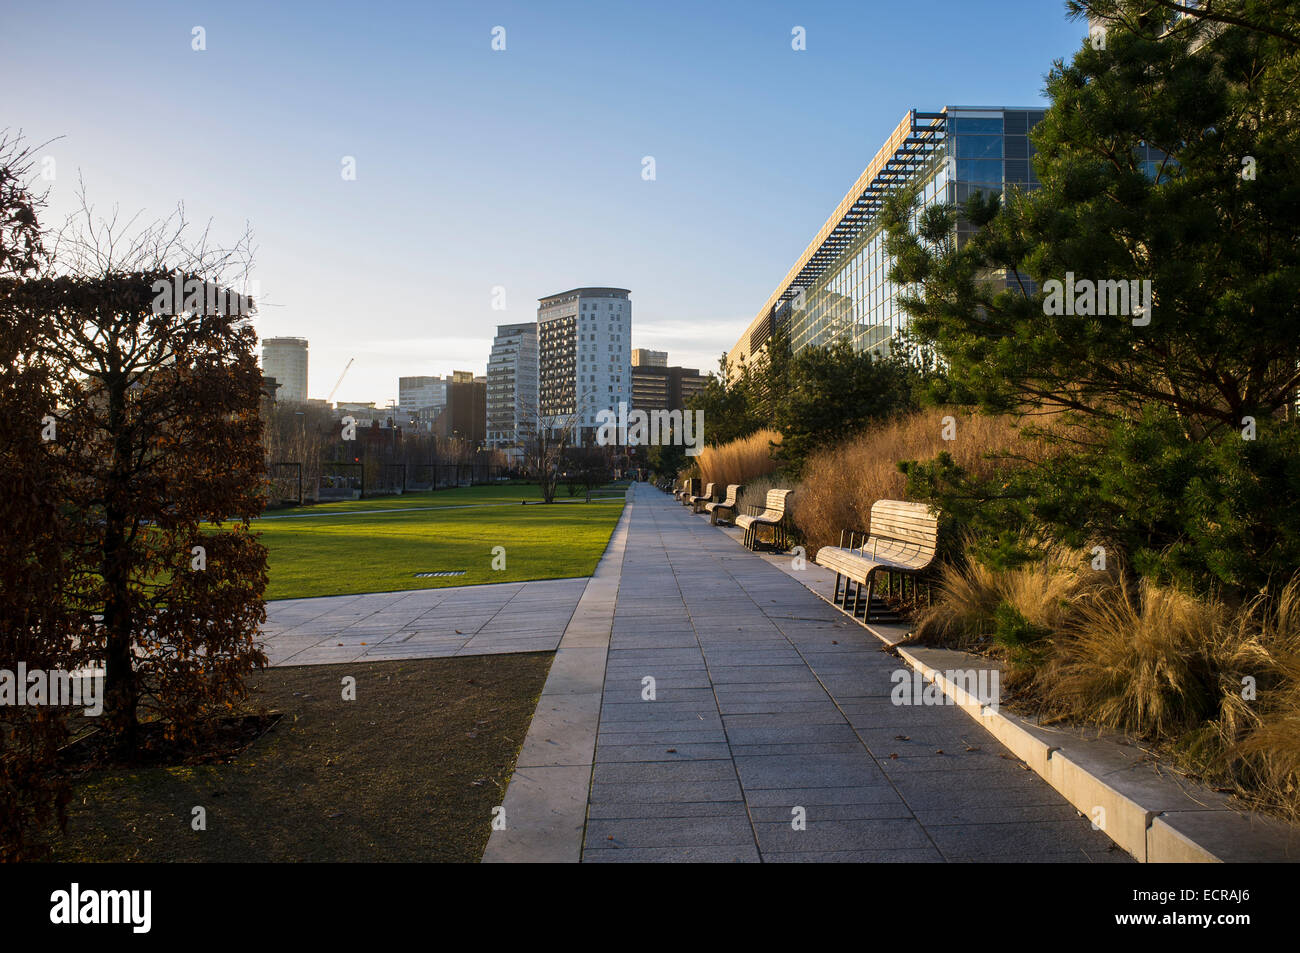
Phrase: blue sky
(520, 169)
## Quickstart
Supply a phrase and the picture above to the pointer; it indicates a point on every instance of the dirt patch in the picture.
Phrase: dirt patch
(409, 771)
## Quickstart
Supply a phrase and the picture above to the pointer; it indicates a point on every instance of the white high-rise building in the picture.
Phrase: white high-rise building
(584, 343)
(512, 389)
(285, 359)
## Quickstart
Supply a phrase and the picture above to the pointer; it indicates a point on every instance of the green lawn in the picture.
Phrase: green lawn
(378, 545)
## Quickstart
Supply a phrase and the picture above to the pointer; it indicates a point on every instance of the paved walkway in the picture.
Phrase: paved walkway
(421, 623)
(767, 701)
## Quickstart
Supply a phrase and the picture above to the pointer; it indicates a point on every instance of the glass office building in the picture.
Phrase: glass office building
(838, 288)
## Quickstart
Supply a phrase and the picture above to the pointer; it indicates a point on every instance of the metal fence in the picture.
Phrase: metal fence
(355, 480)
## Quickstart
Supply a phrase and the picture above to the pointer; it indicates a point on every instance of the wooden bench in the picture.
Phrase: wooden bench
(901, 539)
(728, 503)
(687, 487)
(773, 515)
(697, 502)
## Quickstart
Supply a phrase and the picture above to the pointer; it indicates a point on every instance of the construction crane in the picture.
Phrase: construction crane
(330, 398)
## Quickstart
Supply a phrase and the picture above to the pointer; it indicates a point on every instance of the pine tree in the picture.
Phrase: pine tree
(1168, 157)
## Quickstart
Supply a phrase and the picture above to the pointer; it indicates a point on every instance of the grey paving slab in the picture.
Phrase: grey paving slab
(648, 772)
(545, 811)
(746, 853)
(665, 791)
(665, 809)
(428, 623)
(888, 833)
(926, 855)
(669, 737)
(720, 831)
(818, 813)
(607, 753)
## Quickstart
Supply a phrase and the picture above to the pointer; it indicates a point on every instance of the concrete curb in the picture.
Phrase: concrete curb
(1155, 815)
(545, 806)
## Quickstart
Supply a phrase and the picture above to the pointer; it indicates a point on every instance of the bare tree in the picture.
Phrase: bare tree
(544, 444)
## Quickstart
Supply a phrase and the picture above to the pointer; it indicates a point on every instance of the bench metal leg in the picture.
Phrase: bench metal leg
(836, 599)
(871, 581)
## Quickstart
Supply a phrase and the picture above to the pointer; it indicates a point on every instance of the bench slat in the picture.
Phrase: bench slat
(902, 536)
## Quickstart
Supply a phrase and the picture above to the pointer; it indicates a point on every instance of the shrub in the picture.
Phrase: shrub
(1025, 643)
(835, 390)
(756, 491)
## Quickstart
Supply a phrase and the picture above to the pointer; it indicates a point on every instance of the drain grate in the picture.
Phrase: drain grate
(442, 572)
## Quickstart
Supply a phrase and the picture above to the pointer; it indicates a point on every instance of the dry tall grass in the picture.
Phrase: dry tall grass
(1216, 687)
(755, 493)
(1145, 662)
(1270, 747)
(1046, 595)
(740, 461)
(840, 484)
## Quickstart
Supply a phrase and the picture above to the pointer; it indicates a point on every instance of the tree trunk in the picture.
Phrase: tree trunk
(121, 695)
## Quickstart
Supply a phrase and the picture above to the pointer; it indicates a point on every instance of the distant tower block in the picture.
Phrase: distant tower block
(285, 359)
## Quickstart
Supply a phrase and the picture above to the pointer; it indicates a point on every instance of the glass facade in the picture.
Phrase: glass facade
(975, 150)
